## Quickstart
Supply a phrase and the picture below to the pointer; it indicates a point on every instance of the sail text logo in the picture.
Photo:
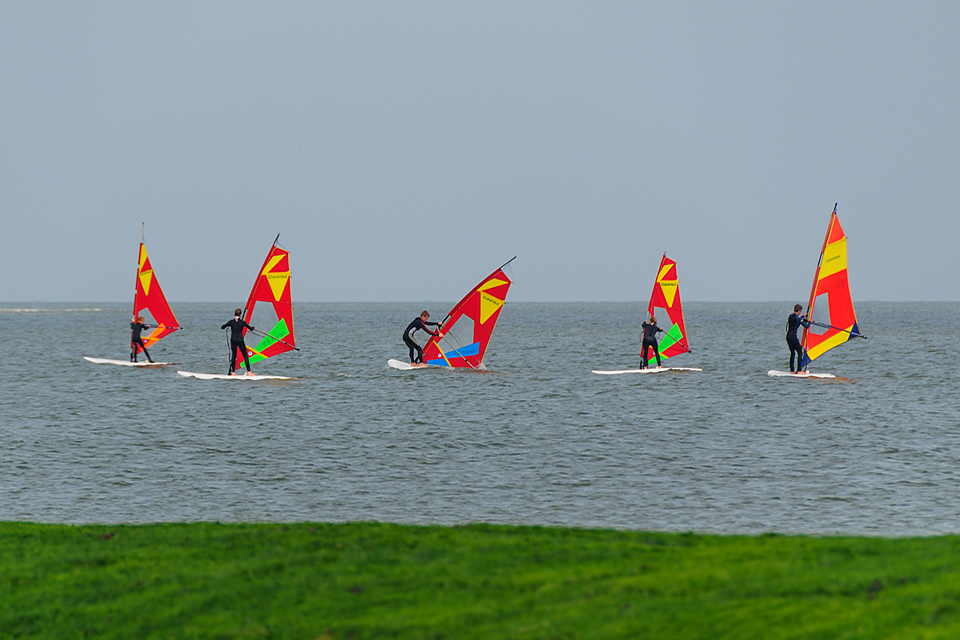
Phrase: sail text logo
(278, 283)
(488, 306)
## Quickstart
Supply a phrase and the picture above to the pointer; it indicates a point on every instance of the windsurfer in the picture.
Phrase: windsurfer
(236, 341)
(420, 322)
(650, 331)
(794, 322)
(135, 340)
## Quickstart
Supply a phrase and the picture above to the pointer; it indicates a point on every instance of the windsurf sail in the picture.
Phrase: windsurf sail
(666, 307)
(830, 309)
(467, 328)
(272, 301)
(148, 297)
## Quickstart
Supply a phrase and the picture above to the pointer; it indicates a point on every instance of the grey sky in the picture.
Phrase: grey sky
(405, 150)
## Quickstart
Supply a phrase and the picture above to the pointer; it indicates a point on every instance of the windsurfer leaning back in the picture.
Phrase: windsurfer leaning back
(236, 342)
(794, 322)
(135, 340)
(420, 322)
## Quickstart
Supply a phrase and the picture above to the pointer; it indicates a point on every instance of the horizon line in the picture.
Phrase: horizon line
(637, 301)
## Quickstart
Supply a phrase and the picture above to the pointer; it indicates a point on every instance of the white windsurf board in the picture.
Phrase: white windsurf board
(648, 370)
(403, 366)
(127, 363)
(773, 373)
(223, 376)
(406, 366)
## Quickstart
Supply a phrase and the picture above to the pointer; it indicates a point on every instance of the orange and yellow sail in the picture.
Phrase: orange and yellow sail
(148, 296)
(830, 308)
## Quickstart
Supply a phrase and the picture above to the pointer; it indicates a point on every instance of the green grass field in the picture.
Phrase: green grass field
(370, 580)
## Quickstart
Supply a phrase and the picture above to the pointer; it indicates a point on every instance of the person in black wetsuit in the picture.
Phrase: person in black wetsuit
(135, 340)
(421, 322)
(236, 341)
(650, 331)
(794, 322)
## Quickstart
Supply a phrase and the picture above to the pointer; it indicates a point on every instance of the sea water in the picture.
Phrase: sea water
(537, 440)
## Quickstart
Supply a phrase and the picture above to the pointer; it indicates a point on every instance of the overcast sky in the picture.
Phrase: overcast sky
(403, 150)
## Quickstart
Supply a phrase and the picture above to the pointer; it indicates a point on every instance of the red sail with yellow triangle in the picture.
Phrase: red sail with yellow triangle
(467, 328)
(666, 307)
(270, 306)
(148, 297)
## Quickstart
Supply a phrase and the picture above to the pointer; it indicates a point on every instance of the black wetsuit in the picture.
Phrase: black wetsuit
(236, 342)
(136, 340)
(794, 322)
(650, 332)
(416, 353)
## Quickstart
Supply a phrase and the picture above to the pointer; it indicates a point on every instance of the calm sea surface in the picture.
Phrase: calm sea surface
(541, 440)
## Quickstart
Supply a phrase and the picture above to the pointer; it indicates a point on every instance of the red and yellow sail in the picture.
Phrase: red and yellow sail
(148, 297)
(467, 328)
(666, 307)
(270, 306)
(830, 307)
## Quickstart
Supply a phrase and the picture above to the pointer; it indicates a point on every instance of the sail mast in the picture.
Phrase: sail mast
(816, 278)
(136, 274)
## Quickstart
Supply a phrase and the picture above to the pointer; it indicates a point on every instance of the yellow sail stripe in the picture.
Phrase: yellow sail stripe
(829, 343)
(834, 258)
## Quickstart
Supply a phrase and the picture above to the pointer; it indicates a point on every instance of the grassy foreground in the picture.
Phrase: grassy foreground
(370, 580)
